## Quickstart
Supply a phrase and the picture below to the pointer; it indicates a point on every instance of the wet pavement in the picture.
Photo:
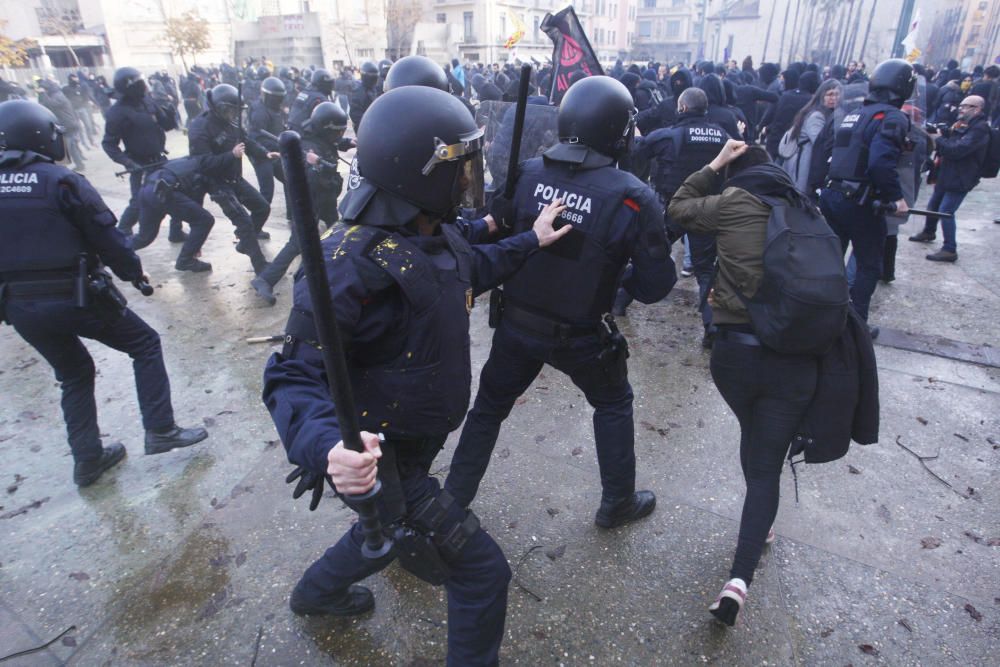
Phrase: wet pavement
(188, 558)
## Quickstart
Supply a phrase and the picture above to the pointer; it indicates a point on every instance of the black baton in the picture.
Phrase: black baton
(376, 545)
(515, 144)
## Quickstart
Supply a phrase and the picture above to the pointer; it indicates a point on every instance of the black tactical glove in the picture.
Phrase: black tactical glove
(502, 210)
(308, 480)
(131, 165)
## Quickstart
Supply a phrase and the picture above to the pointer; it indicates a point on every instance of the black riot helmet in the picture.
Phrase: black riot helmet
(598, 112)
(328, 121)
(284, 73)
(416, 71)
(420, 146)
(224, 102)
(28, 126)
(272, 92)
(383, 67)
(263, 72)
(369, 74)
(128, 83)
(892, 82)
(322, 81)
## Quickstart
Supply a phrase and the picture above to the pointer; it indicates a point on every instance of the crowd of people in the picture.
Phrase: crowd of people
(716, 155)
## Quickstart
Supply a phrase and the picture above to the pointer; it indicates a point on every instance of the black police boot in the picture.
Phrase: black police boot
(264, 289)
(192, 264)
(175, 437)
(252, 250)
(615, 512)
(86, 473)
(263, 236)
(923, 237)
(351, 602)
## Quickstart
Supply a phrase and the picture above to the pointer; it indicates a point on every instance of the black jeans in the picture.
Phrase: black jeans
(54, 328)
(769, 393)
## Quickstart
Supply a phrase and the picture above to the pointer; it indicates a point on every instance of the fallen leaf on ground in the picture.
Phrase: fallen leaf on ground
(79, 576)
(973, 612)
(854, 471)
(906, 624)
(930, 542)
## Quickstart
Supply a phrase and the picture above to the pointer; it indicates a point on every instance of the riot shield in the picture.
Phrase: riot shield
(541, 131)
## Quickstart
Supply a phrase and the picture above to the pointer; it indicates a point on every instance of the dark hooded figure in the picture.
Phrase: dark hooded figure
(665, 113)
(631, 80)
(809, 82)
(647, 94)
(718, 112)
(752, 100)
(839, 72)
(730, 89)
(781, 116)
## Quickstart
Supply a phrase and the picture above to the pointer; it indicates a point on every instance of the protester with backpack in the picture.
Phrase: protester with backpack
(779, 300)
(796, 147)
(966, 153)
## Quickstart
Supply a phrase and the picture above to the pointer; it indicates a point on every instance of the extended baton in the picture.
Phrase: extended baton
(140, 168)
(515, 145)
(376, 544)
(890, 207)
(327, 163)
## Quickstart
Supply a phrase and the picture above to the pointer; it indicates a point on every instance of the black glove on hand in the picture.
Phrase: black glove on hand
(502, 210)
(132, 165)
(308, 480)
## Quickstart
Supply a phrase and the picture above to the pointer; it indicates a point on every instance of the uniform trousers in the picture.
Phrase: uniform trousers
(54, 328)
(864, 231)
(515, 360)
(477, 587)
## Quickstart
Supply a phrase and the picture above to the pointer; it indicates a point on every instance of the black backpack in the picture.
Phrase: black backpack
(991, 162)
(802, 303)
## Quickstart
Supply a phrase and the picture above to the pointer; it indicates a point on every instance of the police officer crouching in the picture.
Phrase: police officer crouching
(556, 309)
(176, 189)
(322, 138)
(402, 282)
(867, 148)
(55, 234)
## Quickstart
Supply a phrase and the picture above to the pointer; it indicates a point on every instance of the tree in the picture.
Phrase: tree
(13, 53)
(188, 34)
(55, 18)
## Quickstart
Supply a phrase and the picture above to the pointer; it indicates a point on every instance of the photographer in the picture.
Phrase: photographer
(961, 150)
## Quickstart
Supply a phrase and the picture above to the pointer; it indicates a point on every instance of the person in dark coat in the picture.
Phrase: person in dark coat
(780, 117)
(718, 111)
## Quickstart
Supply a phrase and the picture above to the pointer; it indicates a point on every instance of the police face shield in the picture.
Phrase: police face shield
(136, 88)
(228, 112)
(58, 143)
(468, 189)
(273, 101)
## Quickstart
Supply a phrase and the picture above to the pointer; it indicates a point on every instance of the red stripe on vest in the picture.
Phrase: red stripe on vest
(632, 204)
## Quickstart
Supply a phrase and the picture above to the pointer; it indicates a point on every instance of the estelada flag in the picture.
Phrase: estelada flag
(518, 30)
(571, 51)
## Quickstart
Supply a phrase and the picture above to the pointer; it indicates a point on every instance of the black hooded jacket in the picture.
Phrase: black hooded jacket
(718, 112)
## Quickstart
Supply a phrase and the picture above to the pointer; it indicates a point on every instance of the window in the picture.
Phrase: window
(467, 23)
(649, 3)
(537, 26)
(673, 28)
(679, 3)
(365, 53)
(442, 18)
(645, 28)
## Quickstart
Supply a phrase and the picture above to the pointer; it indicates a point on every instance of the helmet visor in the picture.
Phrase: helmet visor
(471, 182)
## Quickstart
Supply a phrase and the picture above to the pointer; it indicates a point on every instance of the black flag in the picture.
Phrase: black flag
(572, 52)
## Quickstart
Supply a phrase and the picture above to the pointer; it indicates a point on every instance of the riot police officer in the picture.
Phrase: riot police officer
(402, 282)
(265, 122)
(55, 234)
(365, 94)
(614, 218)
(141, 125)
(176, 188)
(867, 147)
(215, 133)
(320, 87)
(322, 138)
(676, 153)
